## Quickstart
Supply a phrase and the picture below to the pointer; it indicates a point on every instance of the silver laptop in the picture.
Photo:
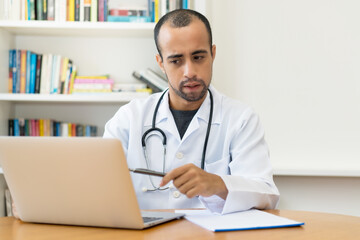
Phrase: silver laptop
(73, 181)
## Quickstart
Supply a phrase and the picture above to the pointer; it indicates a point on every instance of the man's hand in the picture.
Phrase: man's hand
(193, 181)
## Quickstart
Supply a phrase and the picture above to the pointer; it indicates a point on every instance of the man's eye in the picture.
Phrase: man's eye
(198, 57)
(174, 61)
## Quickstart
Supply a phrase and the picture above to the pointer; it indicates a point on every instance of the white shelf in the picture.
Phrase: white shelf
(120, 97)
(78, 29)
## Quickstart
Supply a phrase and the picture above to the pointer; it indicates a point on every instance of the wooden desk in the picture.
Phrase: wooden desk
(317, 226)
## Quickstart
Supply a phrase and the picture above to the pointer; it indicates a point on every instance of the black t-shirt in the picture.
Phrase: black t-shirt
(183, 119)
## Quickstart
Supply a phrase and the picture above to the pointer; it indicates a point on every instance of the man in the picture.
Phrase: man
(202, 128)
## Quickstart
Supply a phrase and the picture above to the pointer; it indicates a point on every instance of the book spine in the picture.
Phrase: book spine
(43, 74)
(48, 73)
(18, 70)
(27, 128)
(57, 74)
(22, 126)
(105, 10)
(67, 78)
(101, 10)
(77, 10)
(51, 10)
(32, 13)
(11, 127)
(14, 70)
(63, 74)
(23, 71)
(156, 10)
(10, 83)
(39, 10)
(53, 83)
(62, 11)
(129, 19)
(44, 10)
(16, 127)
(81, 11)
(41, 127)
(71, 10)
(143, 79)
(94, 11)
(32, 72)
(38, 73)
(73, 75)
(28, 69)
(87, 10)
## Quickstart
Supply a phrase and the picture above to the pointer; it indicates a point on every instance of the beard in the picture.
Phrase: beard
(192, 96)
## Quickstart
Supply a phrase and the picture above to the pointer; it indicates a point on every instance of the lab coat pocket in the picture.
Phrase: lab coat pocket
(220, 167)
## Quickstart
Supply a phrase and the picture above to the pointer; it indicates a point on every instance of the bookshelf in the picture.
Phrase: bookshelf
(95, 47)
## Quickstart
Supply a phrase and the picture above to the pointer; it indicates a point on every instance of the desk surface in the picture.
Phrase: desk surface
(317, 226)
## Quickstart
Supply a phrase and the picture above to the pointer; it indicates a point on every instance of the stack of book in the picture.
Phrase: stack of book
(154, 80)
(48, 127)
(90, 10)
(31, 72)
(92, 84)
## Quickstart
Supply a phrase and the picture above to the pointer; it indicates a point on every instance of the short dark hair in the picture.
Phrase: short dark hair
(181, 18)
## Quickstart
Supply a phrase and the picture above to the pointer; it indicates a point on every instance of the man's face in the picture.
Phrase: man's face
(187, 62)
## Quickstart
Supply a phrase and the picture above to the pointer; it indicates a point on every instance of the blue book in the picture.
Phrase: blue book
(129, 19)
(32, 72)
(105, 10)
(14, 70)
(185, 4)
(152, 11)
(28, 62)
(16, 127)
(29, 10)
(87, 131)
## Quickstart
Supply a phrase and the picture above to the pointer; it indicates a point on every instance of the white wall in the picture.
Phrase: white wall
(297, 63)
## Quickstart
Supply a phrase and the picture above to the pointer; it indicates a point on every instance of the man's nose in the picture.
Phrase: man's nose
(189, 70)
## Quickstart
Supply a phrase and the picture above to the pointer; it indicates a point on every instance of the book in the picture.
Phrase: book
(51, 10)
(94, 11)
(28, 68)
(101, 12)
(33, 59)
(44, 9)
(152, 79)
(39, 10)
(87, 10)
(77, 11)
(11, 127)
(81, 11)
(10, 80)
(128, 18)
(38, 73)
(71, 10)
(23, 71)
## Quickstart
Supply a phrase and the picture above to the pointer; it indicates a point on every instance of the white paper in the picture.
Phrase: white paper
(246, 220)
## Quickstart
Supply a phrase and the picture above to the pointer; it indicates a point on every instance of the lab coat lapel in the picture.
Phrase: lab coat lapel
(165, 119)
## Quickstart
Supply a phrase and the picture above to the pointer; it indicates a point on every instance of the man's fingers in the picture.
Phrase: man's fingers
(175, 173)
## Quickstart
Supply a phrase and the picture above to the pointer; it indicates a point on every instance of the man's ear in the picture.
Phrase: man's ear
(160, 62)
(213, 51)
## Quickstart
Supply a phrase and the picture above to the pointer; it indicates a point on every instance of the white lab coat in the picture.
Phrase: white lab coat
(236, 151)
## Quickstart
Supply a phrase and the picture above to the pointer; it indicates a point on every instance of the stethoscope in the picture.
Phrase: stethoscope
(153, 129)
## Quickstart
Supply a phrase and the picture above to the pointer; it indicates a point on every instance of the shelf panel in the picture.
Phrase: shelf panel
(78, 29)
(120, 97)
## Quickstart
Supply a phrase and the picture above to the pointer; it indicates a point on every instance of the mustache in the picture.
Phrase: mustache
(191, 80)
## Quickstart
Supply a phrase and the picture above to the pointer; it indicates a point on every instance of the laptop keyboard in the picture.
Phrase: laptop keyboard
(150, 219)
